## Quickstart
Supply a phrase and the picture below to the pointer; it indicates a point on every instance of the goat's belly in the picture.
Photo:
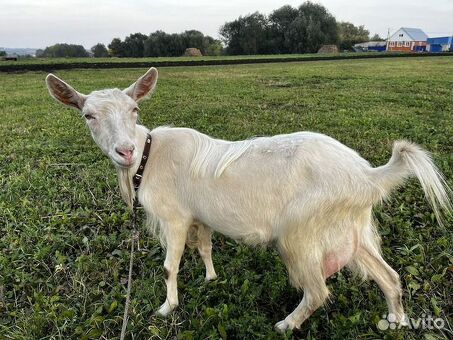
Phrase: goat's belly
(243, 207)
(244, 226)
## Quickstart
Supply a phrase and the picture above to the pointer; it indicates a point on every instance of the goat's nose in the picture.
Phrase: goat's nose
(125, 152)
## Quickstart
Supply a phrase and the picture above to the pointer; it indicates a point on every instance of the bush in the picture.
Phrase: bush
(100, 51)
(214, 49)
(64, 50)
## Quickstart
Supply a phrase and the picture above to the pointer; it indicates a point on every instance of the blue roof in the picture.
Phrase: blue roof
(415, 33)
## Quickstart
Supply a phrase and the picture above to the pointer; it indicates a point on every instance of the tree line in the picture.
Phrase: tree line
(286, 30)
(161, 44)
(136, 45)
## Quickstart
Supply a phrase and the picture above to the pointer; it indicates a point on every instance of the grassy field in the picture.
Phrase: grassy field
(171, 59)
(64, 228)
(46, 64)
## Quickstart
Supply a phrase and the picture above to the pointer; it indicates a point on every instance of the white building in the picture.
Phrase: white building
(407, 40)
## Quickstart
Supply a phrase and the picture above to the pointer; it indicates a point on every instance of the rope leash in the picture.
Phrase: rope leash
(134, 239)
(137, 179)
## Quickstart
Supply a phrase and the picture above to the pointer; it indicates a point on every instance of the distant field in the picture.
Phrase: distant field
(159, 59)
(63, 226)
(46, 64)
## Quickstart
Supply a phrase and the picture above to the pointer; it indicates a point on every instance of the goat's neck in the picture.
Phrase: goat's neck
(125, 175)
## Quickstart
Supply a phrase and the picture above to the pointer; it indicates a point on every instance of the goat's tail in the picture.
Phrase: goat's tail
(407, 160)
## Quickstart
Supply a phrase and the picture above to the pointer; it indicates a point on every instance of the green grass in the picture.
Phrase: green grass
(64, 228)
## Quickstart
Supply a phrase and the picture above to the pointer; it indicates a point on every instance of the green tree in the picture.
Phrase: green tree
(64, 50)
(116, 48)
(133, 45)
(313, 27)
(2, 53)
(280, 21)
(231, 35)
(376, 37)
(350, 35)
(100, 51)
(161, 44)
(198, 40)
(246, 35)
(154, 45)
(175, 45)
(286, 30)
(195, 39)
(214, 49)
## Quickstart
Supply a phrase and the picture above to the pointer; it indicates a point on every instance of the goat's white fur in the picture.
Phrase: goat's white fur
(207, 160)
(306, 192)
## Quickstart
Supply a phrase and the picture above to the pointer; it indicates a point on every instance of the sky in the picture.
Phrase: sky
(40, 23)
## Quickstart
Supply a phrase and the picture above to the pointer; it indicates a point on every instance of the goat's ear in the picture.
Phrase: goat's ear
(143, 86)
(64, 93)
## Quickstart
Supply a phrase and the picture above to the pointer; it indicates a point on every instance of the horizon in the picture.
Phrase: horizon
(87, 24)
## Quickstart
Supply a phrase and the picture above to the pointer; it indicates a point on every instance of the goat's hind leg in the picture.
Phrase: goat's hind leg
(205, 250)
(370, 262)
(309, 264)
(313, 298)
(305, 272)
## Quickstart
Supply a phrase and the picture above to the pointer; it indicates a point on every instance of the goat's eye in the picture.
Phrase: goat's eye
(89, 117)
(135, 110)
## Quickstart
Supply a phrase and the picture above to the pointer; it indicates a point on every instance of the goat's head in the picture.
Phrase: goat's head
(111, 115)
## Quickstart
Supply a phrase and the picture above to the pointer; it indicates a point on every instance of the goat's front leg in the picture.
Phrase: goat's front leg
(176, 239)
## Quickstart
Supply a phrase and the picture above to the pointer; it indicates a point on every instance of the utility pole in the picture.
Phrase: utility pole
(388, 38)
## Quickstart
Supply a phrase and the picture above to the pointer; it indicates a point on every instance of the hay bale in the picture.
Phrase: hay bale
(192, 52)
(328, 49)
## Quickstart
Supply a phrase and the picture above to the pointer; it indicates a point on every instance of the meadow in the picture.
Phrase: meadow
(64, 230)
(46, 64)
(169, 59)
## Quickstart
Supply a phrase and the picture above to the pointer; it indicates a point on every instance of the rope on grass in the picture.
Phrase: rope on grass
(134, 238)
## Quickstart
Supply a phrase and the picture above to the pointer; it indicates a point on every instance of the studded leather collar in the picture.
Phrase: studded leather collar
(137, 179)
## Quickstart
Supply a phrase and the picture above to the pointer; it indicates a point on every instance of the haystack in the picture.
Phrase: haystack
(192, 52)
(328, 49)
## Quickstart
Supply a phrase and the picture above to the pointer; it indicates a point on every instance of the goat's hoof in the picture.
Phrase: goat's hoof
(402, 319)
(165, 309)
(282, 326)
(210, 277)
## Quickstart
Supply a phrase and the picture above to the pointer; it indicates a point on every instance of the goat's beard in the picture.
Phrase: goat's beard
(126, 186)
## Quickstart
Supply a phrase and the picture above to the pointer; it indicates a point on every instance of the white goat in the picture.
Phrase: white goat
(307, 192)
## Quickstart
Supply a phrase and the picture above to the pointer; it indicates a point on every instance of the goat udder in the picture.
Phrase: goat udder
(335, 261)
